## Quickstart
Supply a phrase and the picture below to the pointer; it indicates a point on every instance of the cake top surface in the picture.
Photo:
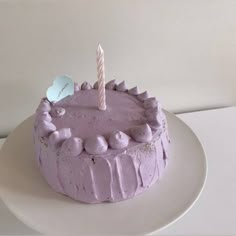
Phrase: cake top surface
(85, 120)
(75, 123)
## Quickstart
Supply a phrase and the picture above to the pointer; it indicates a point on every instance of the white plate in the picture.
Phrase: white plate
(30, 198)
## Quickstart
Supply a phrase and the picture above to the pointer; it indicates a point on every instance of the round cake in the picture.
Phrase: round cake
(101, 156)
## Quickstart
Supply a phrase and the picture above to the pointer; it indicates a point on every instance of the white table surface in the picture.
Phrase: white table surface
(214, 212)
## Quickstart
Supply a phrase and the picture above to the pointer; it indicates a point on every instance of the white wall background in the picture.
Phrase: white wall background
(182, 51)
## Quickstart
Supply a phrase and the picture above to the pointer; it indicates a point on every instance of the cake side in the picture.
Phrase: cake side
(94, 179)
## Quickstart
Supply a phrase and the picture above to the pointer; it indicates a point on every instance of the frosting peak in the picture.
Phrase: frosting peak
(44, 106)
(118, 140)
(142, 133)
(133, 91)
(143, 96)
(121, 87)
(86, 86)
(76, 87)
(95, 86)
(111, 84)
(44, 116)
(96, 145)
(59, 136)
(150, 103)
(72, 146)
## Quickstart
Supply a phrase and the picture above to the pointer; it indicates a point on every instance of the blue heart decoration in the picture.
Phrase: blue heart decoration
(62, 87)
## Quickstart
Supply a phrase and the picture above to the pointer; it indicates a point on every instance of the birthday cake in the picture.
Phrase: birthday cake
(105, 155)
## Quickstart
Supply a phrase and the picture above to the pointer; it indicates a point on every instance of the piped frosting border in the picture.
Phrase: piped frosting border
(62, 139)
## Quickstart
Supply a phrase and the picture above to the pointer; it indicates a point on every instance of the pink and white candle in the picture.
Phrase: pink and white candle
(101, 79)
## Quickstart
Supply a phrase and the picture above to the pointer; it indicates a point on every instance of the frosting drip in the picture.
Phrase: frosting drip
(97, 179)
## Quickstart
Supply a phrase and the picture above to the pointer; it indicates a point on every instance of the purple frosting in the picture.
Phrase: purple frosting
(118, 140)
(76, 87)
(142, 133)
(133, 91)
(44, 128)
(58, 136)
(95, 86)
(150, 103)
(154, 117)
(106, 178)
(44, 106)
(121, 87)
(155, 124)
(143, 96)
(86, 86)
(57, 111)
(111, 84)
(43, 116)
(72, 147)
(96, 145)
(151, 113)
(86, 120)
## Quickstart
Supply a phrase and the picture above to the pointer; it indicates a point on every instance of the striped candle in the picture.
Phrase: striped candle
(101, 79)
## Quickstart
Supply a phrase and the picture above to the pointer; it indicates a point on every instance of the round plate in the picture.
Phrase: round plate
(29, 197)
